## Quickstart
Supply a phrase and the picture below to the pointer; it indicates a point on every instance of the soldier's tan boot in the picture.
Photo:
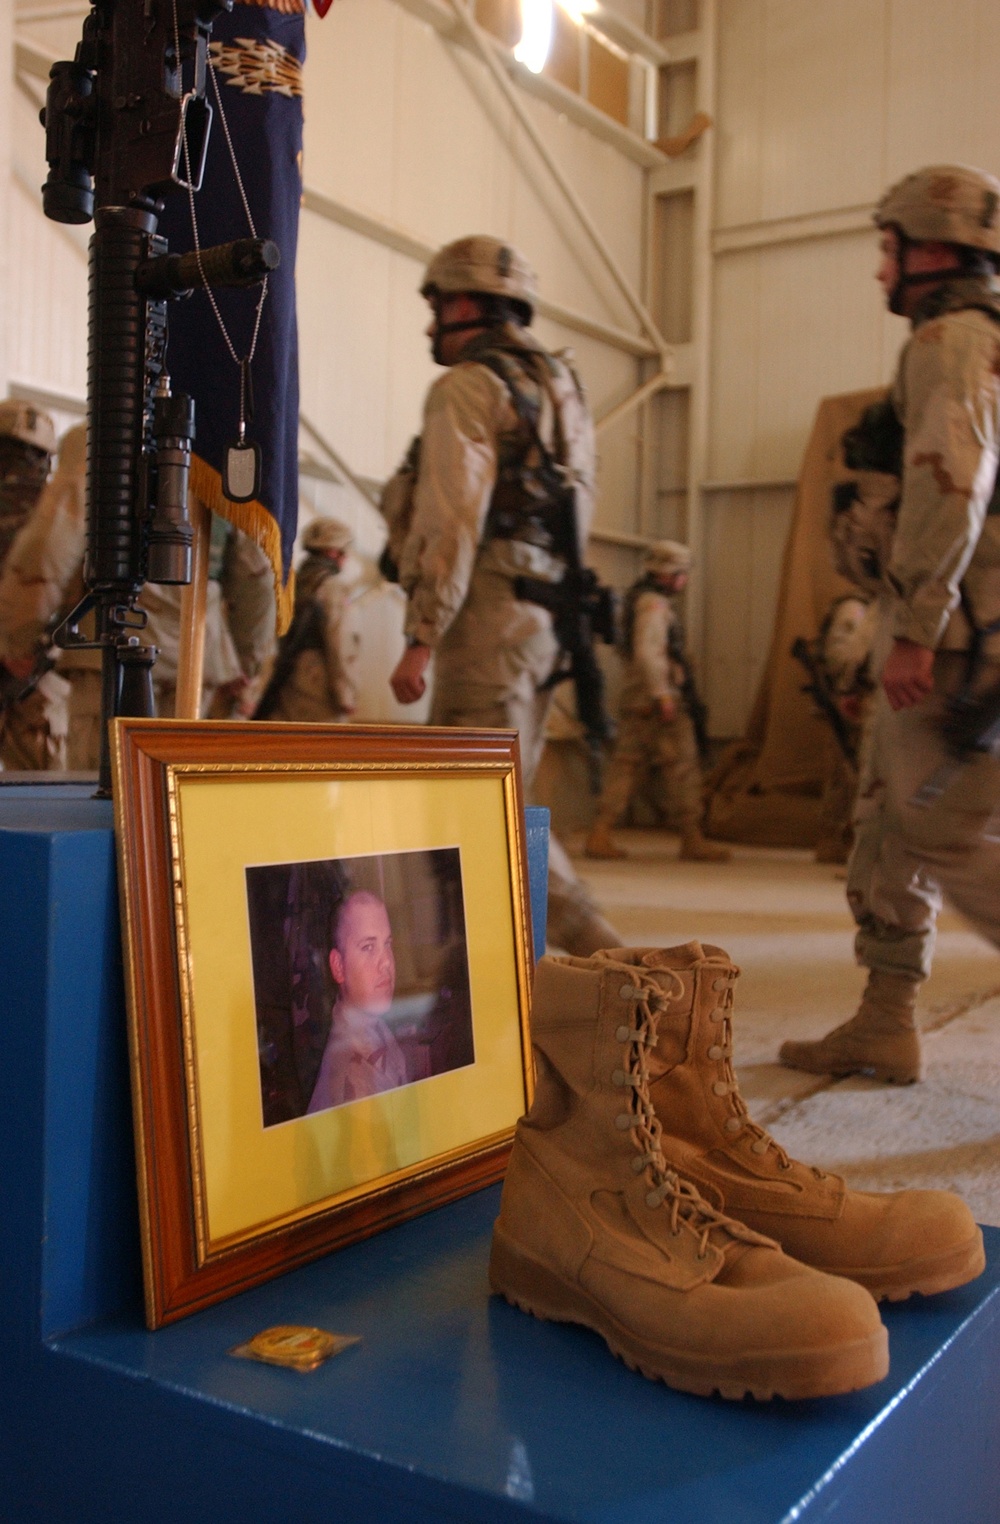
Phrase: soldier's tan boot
(882, 1038)
(600, 842)
(696, 849)
(594, 1228)
(894, 1243)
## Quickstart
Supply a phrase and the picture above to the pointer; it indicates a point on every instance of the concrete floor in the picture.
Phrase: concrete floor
(784, 920)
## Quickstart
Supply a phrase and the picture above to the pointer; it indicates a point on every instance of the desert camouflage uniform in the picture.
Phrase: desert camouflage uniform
(42, 580)
(40, 575)
(492, 650)
(945, 552)
(645, 739)
(844, 650)
(27, 444)
(323, 683)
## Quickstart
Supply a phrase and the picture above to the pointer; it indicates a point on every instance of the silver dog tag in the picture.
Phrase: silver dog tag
(241, 472)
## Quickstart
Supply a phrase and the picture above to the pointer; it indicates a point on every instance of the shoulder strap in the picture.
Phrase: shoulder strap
(504, 366)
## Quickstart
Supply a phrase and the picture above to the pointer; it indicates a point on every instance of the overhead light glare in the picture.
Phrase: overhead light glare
(536, 34)
(577, 9)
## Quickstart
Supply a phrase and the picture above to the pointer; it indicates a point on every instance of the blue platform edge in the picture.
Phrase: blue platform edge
(454, 1406)
(536, 832)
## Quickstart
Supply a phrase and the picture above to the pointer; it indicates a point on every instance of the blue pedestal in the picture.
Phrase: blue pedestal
(454, 1406)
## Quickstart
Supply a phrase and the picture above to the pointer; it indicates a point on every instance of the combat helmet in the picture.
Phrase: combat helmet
(27, 423)
(482, 265)
(945, 203)
(325, 533)
(665, 556)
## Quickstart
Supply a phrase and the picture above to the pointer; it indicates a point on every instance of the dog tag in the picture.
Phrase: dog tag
(241, 472)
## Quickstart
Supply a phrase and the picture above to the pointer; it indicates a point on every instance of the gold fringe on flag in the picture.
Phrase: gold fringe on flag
(255, 521)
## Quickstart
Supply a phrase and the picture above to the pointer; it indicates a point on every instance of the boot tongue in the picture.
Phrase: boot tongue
(688, 954)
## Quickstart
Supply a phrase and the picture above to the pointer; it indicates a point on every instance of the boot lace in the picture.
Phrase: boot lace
(740, 1121)
(638, 1036)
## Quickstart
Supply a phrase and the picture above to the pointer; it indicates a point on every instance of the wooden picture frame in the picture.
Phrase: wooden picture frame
(248, 854)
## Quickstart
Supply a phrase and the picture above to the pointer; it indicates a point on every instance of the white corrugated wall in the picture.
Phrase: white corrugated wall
(817, 106)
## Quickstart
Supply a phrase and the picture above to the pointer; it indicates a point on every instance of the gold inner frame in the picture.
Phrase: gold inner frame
(209, 1250)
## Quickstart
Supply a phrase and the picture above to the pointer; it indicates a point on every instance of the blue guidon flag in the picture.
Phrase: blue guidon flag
(257, 51)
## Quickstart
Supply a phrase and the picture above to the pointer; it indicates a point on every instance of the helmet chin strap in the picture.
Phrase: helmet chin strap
(906, 279)
(441, 330)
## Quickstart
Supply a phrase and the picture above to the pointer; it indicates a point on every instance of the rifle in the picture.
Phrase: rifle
(582, 610)
(305, 634)
(819, 689)
(970, 725)
(542, 500)
(14, 689)
(126, 122)
(690, 697)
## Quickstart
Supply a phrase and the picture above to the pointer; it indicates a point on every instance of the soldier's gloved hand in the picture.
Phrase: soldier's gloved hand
(908, 674)
(667, 707)
(407, 681)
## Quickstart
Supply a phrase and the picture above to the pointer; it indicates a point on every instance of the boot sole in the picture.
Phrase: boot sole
(923, 1277)
(884, 1073)
(531, 1286)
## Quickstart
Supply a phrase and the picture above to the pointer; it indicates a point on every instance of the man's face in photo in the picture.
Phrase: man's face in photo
(362, 960)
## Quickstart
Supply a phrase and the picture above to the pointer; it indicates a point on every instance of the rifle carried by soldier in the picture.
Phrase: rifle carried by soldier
(821, 692)
(690, 697)
(126, 122)
(537, 502)
(304, 634)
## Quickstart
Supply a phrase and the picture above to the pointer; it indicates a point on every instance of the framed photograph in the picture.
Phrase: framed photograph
(328, 965)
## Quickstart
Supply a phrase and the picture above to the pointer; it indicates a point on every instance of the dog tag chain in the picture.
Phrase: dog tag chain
(242, 462)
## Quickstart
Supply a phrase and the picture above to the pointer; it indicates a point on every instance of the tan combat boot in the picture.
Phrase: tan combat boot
(881, 1039)
(600, 842)
(595, 1228)
(696, 849)
(893, 1243)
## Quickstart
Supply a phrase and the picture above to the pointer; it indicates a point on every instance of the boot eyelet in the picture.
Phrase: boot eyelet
(719, 1014)
(784, 1163)
(760, 1146)
(715, 1051)
(623, 1121)
(720, 1088)
(618, 1078)
(638, 1164)
(652, 1198)
(623, 1034)
(734, 1125)
(630, 992)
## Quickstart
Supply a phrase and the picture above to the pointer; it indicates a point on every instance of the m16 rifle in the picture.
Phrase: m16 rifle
(582, 611)
(690, 697)
(819, 689)
(970, 727)
(127, 122)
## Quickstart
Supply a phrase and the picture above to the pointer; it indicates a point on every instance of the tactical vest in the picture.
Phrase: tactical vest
(646, 584)
(532, 495)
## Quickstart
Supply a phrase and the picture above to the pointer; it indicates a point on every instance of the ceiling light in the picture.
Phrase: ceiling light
(579, 8)
(536, 34)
